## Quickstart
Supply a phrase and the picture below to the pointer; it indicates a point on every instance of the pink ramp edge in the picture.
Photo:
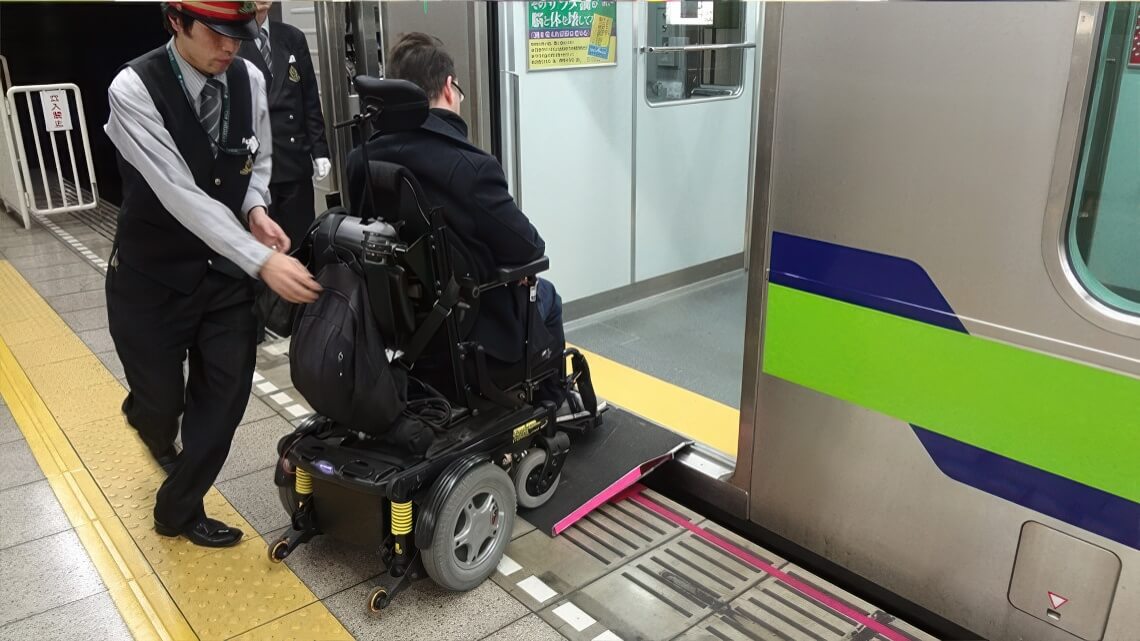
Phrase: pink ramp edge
(792, 582)
(615, 488)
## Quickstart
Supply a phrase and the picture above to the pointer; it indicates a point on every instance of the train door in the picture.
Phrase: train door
(638, 162)
(693, 107)
(567, 135)
(626, 131)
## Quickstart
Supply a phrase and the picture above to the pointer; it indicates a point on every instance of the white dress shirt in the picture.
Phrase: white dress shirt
(138, 132)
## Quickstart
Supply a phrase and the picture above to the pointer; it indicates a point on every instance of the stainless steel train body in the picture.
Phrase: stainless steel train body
(942, 388)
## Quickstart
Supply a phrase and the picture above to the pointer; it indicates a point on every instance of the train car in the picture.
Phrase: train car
(941, 385)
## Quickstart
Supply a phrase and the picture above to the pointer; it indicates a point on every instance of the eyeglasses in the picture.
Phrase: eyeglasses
(459, 89)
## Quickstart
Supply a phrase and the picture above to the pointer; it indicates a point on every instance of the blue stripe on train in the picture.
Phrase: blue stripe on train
(901, 287)
(886, 283)
(1085, 507)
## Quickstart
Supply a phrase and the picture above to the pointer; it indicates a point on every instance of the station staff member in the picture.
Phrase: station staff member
(193, 139)
(300, 151)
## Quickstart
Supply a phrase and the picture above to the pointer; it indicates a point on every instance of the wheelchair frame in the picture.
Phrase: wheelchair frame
(335, 481)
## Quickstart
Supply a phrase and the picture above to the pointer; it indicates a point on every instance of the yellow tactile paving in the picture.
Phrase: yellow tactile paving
(688, 413)
(145, 605)
(66, 404)
(310, 622)
(241, 578)
(49, 350)
(26, 331)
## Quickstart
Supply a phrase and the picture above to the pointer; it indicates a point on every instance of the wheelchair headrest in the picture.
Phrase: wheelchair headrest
(399, 105)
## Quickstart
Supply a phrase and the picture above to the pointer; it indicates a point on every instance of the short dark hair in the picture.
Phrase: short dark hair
(420, 59)
(169, 12)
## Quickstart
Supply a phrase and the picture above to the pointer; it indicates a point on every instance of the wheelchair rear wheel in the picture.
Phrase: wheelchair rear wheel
(288, 497)
(473, 528)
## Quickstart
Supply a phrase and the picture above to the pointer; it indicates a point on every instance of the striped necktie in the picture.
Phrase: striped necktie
(210, 108)
(263, 45)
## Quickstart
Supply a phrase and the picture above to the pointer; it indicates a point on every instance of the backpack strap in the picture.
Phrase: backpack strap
(438, 314)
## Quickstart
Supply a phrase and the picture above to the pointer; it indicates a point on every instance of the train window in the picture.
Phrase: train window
(695, 50)
(1104, 227)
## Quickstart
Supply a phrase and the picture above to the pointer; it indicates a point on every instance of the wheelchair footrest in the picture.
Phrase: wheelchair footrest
(582, 425)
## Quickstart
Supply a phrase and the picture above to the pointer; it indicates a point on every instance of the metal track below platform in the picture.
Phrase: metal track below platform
(643, 567)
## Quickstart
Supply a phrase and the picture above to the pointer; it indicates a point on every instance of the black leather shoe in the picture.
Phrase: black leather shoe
(206, 532)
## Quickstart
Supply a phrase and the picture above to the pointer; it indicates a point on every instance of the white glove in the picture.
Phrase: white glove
(324, 166)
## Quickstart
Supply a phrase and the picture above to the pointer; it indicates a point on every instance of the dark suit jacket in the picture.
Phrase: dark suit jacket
(294, 104)
(470, 186)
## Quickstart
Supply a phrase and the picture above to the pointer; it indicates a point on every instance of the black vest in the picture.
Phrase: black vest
(149, 238)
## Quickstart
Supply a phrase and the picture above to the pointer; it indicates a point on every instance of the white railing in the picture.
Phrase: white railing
(11, 186)
(50, 118)
(5, 75)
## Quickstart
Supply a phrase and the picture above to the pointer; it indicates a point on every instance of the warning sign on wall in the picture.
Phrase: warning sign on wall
(561, 35)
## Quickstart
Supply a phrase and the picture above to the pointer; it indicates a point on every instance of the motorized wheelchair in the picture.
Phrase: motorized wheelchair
(444, 507)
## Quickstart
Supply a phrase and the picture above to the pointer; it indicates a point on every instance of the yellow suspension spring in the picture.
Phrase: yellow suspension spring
(401, 518)
(304, 484)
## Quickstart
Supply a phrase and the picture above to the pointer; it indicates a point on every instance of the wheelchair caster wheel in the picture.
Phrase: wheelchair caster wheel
(378, 600)
(526, 477)
(279, 551)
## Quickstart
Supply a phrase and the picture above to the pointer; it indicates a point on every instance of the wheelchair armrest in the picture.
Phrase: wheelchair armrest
(515, 273)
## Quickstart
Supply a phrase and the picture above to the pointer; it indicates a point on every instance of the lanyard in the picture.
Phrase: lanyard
(225, 129)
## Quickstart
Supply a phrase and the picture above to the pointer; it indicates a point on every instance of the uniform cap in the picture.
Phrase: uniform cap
(233, 19)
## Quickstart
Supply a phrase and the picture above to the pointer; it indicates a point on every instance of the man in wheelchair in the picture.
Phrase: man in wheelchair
(432, 321)
(470, 186)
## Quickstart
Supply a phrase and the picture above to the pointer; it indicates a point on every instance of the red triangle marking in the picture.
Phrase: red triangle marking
(1057, 600)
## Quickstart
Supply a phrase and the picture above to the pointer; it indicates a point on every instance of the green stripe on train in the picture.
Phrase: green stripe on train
(1070, 419)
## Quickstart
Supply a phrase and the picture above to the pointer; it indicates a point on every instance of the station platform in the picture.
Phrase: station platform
(82, 561)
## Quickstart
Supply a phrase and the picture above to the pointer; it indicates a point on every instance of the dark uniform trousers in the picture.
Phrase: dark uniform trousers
(292, 207)
(214, 327)
(170, 299)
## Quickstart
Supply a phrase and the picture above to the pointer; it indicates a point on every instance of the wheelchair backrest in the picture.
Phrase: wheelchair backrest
(394, 195)
(402, 203)
(405, 289)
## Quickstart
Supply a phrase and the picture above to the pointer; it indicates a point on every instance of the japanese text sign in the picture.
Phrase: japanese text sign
(57, 111)
(571, 34)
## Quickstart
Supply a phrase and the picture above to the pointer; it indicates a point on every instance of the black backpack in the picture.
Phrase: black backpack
(338, 359)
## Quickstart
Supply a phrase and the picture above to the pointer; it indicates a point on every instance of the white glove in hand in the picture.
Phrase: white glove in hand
(323, 165)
